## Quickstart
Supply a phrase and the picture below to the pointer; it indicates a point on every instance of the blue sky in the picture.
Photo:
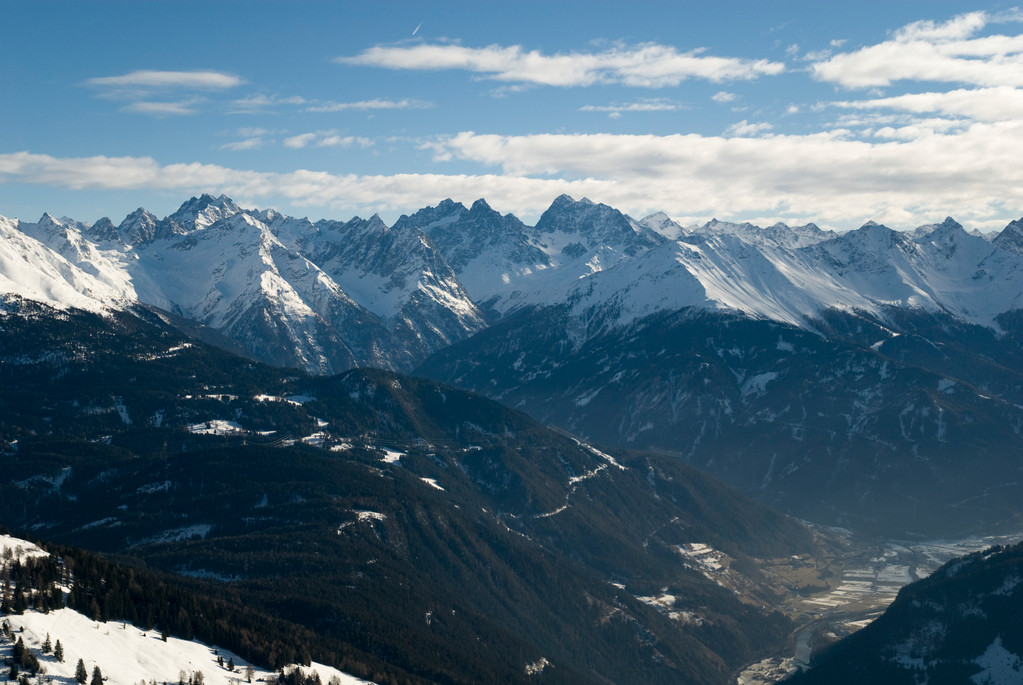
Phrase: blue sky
(900, 112)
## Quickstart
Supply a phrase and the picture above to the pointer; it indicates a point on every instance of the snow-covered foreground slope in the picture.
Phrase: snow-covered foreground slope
(124, 653)
(127, 655)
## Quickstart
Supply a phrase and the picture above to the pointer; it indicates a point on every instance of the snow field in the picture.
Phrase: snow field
(126, 654)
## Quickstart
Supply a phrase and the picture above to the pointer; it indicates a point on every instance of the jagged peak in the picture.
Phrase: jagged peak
(139, 215)
(104, 229)
(1011, 237)
(479, 206)
(376, 222)
(194, 206)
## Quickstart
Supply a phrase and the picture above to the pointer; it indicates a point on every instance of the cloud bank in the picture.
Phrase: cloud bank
(648, 65)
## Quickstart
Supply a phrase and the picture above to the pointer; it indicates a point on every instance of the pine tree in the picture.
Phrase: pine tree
(230, 664)
(81, 675)
(97, 676)
(58, 652)
(47, 645)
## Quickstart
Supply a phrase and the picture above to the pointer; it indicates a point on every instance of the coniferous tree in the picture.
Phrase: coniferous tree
(58, 652)
(97, 676)
(47, 645)
(81, 675)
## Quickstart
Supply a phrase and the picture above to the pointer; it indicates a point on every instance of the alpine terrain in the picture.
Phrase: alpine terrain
(462, 448)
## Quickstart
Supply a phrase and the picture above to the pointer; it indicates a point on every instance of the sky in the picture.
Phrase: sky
(899, 112)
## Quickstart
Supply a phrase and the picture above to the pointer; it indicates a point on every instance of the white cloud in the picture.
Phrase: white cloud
(970, 172)
(745, 129)
(182, 107)
(261, 102)
(195, 80)
(980, 104)
(949, 52)
(825, 177)
(247, 144)
(647, 65)
(724, 97)
(147, 91)
(641, 106)
(299, 141)
(326, 139)
(344, 141)
(376, 103)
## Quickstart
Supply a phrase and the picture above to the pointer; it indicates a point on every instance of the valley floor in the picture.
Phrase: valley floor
(859, 582)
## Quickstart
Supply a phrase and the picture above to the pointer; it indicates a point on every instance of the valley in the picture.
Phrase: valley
(834, 596)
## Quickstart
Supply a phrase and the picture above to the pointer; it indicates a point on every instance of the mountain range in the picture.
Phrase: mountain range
(422, 533)
(329, 295)
(832, 375)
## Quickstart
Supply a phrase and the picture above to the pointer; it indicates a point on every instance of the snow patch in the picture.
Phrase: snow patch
(217, 427)
(999, 664)
(200, 530)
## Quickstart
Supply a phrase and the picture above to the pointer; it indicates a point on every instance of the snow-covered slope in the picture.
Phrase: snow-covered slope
(127, 655)
(124, 653)
(33, 270)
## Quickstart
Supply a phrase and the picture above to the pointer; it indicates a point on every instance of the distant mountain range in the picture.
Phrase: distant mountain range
(330, 295)
(837, 376)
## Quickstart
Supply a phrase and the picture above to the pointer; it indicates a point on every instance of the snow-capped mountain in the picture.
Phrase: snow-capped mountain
(491, 254)
(330, 295)
(325, 296)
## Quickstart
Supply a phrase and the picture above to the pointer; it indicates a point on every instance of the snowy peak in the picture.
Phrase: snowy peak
(138, 227)
(871, 239)
(489, 252)
(429, 218)
(663, 225)
(777, 235)
(595, 224)
(946, 237)
(104, 231)
(201, 212)
(1011, 237)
